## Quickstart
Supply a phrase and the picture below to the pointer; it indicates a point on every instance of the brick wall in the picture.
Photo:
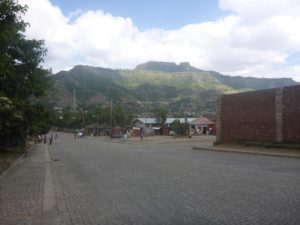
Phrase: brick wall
(291, 114)
(267, 116)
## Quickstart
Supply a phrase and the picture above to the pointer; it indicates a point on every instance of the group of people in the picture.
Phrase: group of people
(43, 138)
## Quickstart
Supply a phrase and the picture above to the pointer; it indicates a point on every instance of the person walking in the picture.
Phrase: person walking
(125, 135)
(50, 139)
(141, 134)
(39, 138)
(45, 138)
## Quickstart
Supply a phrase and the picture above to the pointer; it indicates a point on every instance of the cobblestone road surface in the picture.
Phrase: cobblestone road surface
(87, 181)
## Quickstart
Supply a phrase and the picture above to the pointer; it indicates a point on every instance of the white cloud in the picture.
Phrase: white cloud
(257, 39)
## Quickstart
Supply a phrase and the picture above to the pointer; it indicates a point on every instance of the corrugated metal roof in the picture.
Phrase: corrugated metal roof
(147, 120)
(182, 120)
(202, 121)
(168, 121)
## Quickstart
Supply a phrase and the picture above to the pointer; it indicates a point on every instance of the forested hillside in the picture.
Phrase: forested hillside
(175, 87)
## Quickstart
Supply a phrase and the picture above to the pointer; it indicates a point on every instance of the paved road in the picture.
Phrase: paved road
(88, 181)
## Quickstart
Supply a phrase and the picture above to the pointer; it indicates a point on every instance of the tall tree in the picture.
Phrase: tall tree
(121, 117)
(160, 115)
(22, 79)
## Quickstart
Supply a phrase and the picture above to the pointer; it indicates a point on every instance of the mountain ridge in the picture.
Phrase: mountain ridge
(167, 67)
(159, 83)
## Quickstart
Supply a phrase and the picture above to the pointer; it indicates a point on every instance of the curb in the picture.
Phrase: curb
(247, 152)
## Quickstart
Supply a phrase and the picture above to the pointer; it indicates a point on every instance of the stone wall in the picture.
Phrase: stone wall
(271, 115)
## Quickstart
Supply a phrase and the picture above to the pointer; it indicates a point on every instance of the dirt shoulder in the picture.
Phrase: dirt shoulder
(10, 154)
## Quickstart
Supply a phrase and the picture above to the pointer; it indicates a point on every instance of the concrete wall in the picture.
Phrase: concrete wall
(271, 115)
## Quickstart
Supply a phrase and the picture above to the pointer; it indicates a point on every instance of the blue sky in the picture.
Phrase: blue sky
(164, 14)
(258, 38)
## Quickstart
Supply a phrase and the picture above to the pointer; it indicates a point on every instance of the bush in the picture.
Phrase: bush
(179, 128)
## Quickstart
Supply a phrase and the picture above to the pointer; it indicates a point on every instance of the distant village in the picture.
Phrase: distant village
(151, 127)
(264, 116)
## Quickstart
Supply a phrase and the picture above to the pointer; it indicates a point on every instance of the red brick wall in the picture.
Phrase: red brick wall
(248, 116)
(252, 116)
(291, 114)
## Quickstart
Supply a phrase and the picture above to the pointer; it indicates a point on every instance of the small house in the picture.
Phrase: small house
(202, 125)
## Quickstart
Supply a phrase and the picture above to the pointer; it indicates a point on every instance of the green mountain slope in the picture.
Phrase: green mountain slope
(157, 83)
(238, 82)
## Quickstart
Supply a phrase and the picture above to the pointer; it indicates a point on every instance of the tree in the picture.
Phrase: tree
(121, 117)
(179, 128)
(22, 80)
(40, 117)
(160, 115)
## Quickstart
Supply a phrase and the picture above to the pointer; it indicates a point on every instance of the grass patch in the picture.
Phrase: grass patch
(11, 152)
(8, 156)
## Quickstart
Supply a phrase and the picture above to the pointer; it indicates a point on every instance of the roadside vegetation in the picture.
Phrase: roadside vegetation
(23, 82)
(68, 119)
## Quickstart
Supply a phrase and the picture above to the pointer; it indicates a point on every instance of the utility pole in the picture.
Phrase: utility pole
(146, 109)
(97, 117)
(110, 129)
(74, 100)
(83, 119)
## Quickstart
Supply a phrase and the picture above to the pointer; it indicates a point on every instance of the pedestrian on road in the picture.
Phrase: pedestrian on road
(45, 138)
(50, 139)
(39, 138)
(141, 134)
(125, 137)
